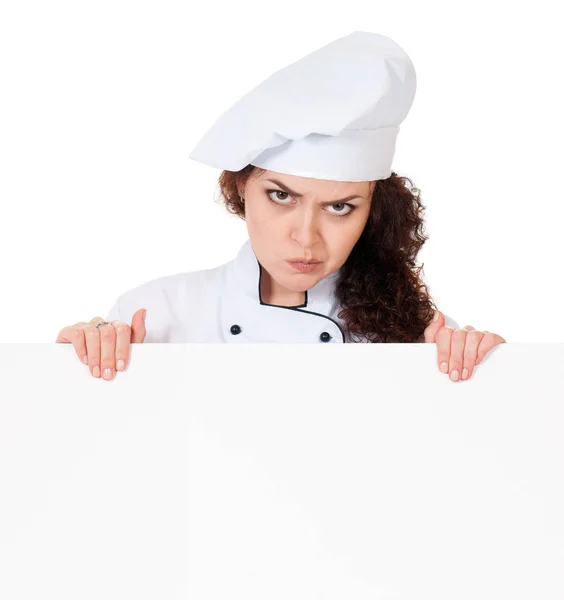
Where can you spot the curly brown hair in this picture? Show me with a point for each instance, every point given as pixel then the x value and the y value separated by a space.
pixel 380 289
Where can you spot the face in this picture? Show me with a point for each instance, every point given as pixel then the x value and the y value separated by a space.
pixel 291 217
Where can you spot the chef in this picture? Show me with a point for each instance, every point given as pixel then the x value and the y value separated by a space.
pixel 302 152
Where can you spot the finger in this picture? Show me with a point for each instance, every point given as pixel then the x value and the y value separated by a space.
pixel 123 340
pixel 457 343
pixel 65 336
pixel 487 343
pixel 107 350
pixel 80 346
pixel 430 332
pixel 138 331
pixel 443 347
pixel 473 340
pixel 74 335
pixel 96 320
pixel 92 337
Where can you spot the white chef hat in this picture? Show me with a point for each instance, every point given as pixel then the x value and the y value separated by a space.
pixel 334 114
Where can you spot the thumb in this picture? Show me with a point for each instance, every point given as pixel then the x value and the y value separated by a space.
pixel 434 327
pixel 138 331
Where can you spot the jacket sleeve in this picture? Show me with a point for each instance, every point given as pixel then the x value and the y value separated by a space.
pixel 163 323
pixel 450 322
pixel 114 313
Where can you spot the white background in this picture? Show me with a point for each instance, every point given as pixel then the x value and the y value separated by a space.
pixel 101 104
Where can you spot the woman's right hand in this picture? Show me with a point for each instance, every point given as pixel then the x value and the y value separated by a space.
pixel 105 347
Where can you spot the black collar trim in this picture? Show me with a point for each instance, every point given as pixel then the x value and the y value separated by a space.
pixel 298 307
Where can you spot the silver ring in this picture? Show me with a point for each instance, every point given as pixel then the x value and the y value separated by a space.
pixel 102 322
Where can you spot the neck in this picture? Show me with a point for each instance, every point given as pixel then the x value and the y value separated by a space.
pixel 273 293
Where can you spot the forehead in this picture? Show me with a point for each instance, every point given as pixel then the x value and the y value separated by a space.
pixel 312 185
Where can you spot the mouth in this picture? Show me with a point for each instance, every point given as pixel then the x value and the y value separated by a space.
pixel 304 262
pixel 304 266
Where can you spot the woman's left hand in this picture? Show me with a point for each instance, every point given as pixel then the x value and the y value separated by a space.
pixel 459 350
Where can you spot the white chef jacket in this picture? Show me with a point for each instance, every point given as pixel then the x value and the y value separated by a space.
pixel 224 305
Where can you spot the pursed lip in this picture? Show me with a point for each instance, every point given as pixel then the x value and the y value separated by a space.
pixel 302 261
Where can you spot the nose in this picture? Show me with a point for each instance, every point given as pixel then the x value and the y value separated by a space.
pixel 305 230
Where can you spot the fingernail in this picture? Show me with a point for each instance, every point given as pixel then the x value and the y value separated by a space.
pixel 444 367
pixel 85 360
pixel 464 373
pixel 454 375
pixel 107 373
pixel 120 364
pixel 436 317
pixel 96 371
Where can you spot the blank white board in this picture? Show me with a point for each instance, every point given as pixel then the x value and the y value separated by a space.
pixel 281 471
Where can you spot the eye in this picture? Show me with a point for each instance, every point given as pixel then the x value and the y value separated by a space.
pixel 276 192
pixel 339 212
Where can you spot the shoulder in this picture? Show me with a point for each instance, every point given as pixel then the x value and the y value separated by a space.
pixel 168 300
pixel 171 288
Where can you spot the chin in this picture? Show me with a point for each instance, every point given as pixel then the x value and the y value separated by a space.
pixel 293 285
pixel 302 282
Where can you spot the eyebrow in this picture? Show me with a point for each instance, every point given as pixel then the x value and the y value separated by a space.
pixel 298 195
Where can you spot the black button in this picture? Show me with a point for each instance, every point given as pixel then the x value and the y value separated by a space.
pixel 324 337
pixel 235 329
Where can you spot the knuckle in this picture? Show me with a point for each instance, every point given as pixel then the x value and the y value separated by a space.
pixel 492 337
pixel 78 340
pixel 108 359
pixel 469 358
pixel 445 330
pixel 443 346
pixel 122 328
pixel 108 333
pixel 90 331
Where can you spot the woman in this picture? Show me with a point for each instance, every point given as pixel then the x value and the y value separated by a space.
pixel 306 159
